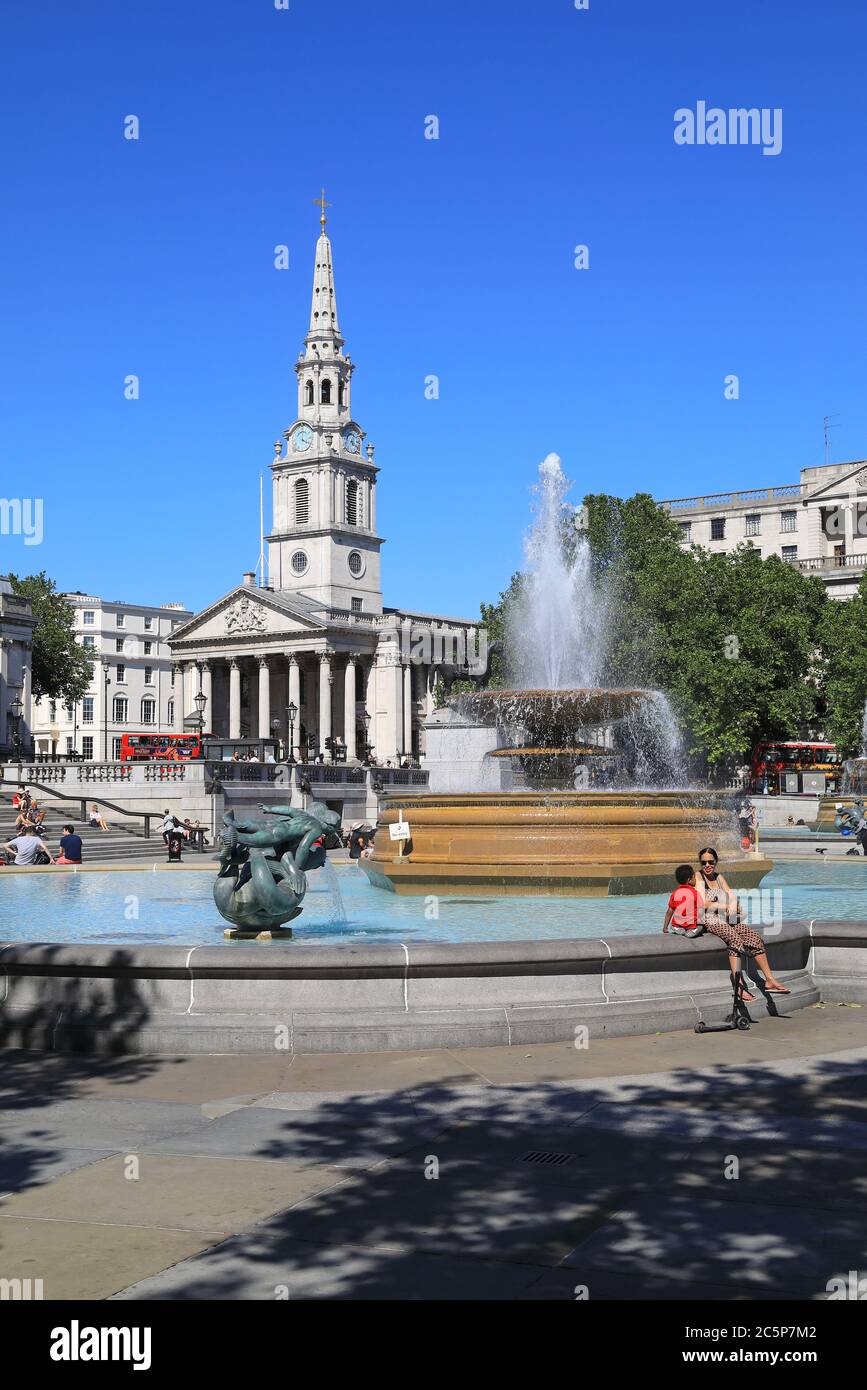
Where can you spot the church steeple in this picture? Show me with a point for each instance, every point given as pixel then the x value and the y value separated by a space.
pixel 324 542
pixel 323 335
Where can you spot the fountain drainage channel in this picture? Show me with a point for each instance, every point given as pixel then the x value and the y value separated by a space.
pixel 354 985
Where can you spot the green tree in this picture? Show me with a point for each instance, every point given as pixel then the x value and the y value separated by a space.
pixel 843 643
pixel 60 669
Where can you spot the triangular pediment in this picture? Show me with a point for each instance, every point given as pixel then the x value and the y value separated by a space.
pixel 247 612
pixel 846 484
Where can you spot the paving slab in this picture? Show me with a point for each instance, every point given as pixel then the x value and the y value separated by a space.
pixel 256 1266
pixel 788 1249
pixel 21 1166
pixel 210 1194
pixel 561 1285
pixel 86 1260
pixel 99 1123
pixel 300 1138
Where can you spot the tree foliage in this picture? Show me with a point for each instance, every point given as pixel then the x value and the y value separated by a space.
pixel 60 668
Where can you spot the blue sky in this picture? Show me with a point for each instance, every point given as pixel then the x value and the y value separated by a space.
pixel 453 257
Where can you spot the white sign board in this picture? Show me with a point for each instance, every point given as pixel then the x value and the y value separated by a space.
pixel 400 831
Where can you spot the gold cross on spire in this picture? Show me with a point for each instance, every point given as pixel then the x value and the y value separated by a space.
pixel 322 206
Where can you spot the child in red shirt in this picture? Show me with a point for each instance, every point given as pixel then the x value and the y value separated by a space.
pixel 682 913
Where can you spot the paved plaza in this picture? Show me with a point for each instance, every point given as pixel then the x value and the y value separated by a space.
pixel 729 1166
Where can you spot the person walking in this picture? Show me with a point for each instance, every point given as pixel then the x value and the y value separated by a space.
pixel 720 914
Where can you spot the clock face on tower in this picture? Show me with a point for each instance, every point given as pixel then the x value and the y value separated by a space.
pixel 302 438
pixel 352 442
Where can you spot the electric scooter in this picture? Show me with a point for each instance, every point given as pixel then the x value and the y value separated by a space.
pixel 739 1016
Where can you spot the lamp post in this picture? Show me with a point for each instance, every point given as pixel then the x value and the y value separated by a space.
pixel 105 684
pixel 17 708
pixel 275 730
pixel 200 701
pixel 291 715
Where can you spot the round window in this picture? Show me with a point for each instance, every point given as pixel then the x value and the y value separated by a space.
pixel 356 563
pixel 299 562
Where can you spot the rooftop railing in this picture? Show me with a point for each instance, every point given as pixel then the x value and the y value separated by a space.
pixel 711 500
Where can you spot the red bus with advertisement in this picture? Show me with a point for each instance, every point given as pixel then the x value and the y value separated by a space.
pixel 136 748
pixel 788 766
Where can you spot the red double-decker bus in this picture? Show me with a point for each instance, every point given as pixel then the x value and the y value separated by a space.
pixel 795 765
pixel 135 748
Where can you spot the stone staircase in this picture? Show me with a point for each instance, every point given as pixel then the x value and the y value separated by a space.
pixel 124 841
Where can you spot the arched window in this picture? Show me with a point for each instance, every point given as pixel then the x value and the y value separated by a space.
pixel 302 502
pixel 119 714
pixel 147 711
pixel 340 391
pixel 352 518
pixel 308 400
pixel 325 391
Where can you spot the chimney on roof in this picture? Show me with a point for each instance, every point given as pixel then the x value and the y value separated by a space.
pixel 249 579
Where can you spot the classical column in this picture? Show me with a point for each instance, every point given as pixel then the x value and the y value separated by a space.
pixel 264 698
pixel 208 692
pixel 326 677
pixel 295 699
pixel 349 709
pixel 407 710
pixel 234 699
pixel 178 695
pixel 26 695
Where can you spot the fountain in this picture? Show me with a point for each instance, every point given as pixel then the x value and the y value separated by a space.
pixel 558 785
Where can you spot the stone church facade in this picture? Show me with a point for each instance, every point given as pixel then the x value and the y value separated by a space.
pixel 316 635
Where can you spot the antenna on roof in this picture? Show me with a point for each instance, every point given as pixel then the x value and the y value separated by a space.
pixel 261 534
pixel 828 428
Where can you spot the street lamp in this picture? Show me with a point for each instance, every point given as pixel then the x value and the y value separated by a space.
pixel 17 708
pixel 291 715
pixel 200 701
pixel 105 684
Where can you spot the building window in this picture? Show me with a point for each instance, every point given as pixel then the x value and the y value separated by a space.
pixel 302 502
pixel 685 530
pixel 754 524
pixel 356 564
pixel 299 562
pixel 118 644
pixel 88 640
pixel 87 617
pixel 120 619
pixel 147 648
pixel 788 521
pixel 87 746
pixel 147 711
pixel 171 712
pixel 149 675
pixel 69 743
pixel 115 749
pixel 718 528
pixel 120 674
pixel 309 393
pixel 173 678
pixel 352 504
pixel 357 605
pixel 340 392
pixel 790 553
pixel 119 709
pixel 87 710
pixel 52 710
pixel 148 623
pixel 325 392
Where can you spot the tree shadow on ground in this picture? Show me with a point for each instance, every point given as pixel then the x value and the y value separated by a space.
pixel 744 1185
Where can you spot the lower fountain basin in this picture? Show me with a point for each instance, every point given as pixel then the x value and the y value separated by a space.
pixel 570 844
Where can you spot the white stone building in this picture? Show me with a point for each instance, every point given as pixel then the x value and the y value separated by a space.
pixel 818 524
pixel 135 694
pixel 16 641
pixel 316 635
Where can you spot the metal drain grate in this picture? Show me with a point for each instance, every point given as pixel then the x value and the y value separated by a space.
pixel 547 1157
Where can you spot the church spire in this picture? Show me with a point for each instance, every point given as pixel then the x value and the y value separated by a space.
pixel 324 331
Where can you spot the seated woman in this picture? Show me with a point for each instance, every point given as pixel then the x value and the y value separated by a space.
pixel 720 912
pixel 96 820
